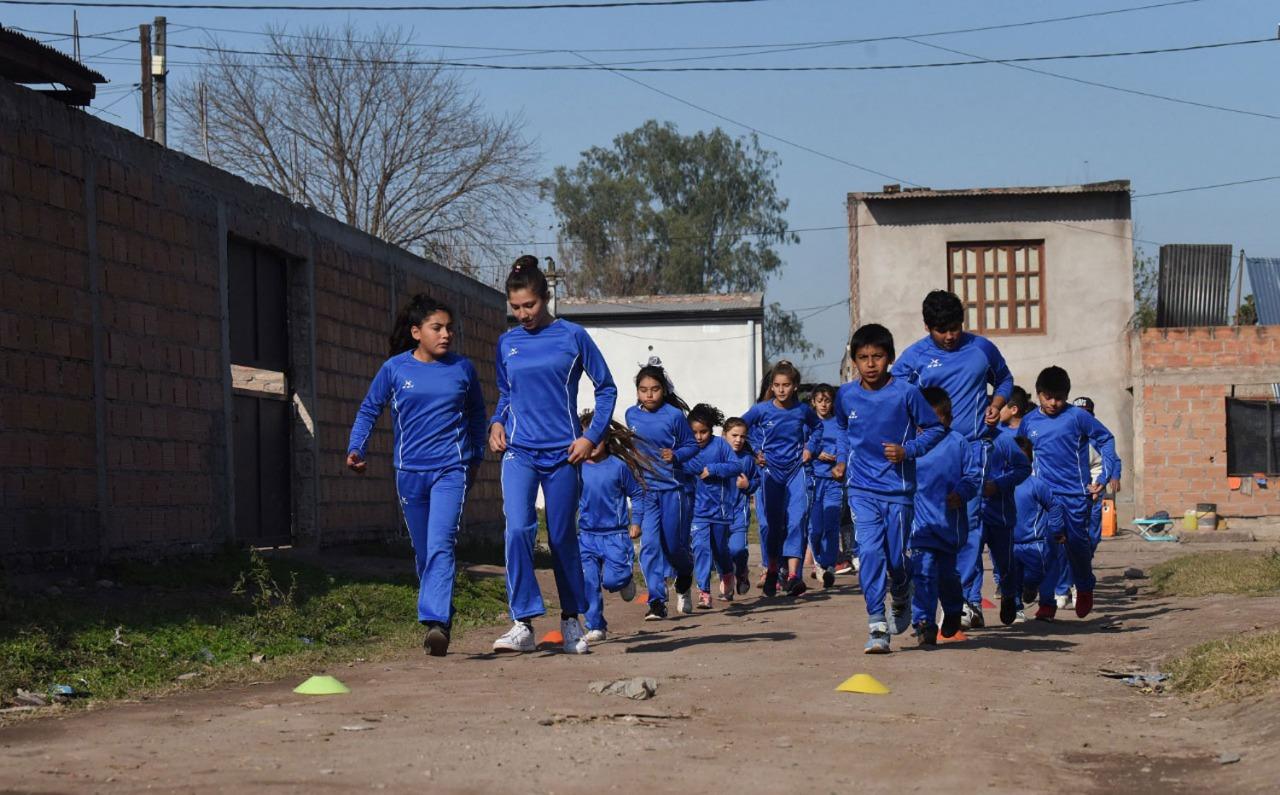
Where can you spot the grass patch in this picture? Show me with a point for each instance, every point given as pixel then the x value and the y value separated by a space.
pixel 1232 572
pixel 211 616
pixel 1233 668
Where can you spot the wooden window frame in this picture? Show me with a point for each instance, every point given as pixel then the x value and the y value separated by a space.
pixel 977 299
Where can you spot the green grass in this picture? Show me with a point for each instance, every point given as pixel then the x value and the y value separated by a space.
pixel 1233 572
pixel 211 616
pixel 1231 669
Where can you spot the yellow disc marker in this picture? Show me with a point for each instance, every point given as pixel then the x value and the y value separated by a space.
pixel 863 683
pixel 322 686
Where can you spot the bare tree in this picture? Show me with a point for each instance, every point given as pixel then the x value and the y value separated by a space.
pixel 356 126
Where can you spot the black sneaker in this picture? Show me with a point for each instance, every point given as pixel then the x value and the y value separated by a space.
pixel 795 586
pixel 1030 596
pixel 828 577
pixel 976 619
pixel 770 586
pixel 657 611
pixel 1008 610
pixel 927 634
pixel 950 625
pixel 436 642
pixel 684 582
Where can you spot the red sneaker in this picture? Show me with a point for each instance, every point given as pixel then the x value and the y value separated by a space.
pixel 704 600
pixel 726 587
pixel 1084 603
pixel 1046 612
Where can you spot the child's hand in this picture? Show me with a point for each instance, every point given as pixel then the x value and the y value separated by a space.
pixel 806 456
pixel 667 454
pixel 992 415
pixel 894 453
pixel 990 489
pixel 1113 486
pixel 580 450
pixel 497 438
pixel 633 531
pixel 955 501
pixel 1094 490
pixel 355 463
pixel 837 471
pixel 828 457
pixel 743 483
pixel 705 473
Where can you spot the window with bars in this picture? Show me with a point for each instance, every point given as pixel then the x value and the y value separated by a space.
pixel 1001 284
pixel 1253 437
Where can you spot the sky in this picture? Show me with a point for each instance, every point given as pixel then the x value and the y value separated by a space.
pixel 971 126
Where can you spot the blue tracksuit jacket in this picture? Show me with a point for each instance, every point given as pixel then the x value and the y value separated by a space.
pixel 964 373
pixel 1040 516
pixel 715 495
pixel 868 418
pixel 606 487
pixel 666 427
pixel 951 466
pixel 1061 444
pixel 1006 467
pixel 784 433
pixel 830 444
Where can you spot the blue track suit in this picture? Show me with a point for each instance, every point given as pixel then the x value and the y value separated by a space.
pixel 1006 467
pixel 607 554
pixel 785 433
pixel 1039 531
pixel 1061 445
pixel 438 418
pixel 938 532
pixel 880 492
pixel 755 439
pixel 664 534
pixel 538 373
pixel 828 500
pixel 965 373
pixel 714 499
pixel 740 511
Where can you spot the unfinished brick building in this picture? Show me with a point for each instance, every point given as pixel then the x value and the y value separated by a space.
pixel 133 281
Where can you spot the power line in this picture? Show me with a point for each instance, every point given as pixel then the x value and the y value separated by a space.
pixel 1205 187
pixel 594 4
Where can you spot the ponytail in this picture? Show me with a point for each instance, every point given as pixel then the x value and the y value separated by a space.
pixel 419 308
pixel 706 414
pixel 526 275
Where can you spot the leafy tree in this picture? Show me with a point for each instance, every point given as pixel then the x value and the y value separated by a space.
pixel 659 212
pixel 1247 314
pixel 1146 283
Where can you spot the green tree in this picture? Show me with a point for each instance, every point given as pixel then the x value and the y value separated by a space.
pixel 1146 283
pixel 659 213
pixel 1247 314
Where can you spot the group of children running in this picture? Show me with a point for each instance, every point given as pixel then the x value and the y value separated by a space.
pixel 936 452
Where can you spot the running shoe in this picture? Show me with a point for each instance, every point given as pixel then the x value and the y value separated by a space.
pixel 657 611
pixel 950 624
pixel 628 591
pixel 1084 603
pixel 1063 601
pixel 704 600
pixel 519 639
pixel 743 582
pixel 828 576
pixel 1008 610
pixel 727 586
pixel 1020 618
pixel 684 602
pixel 437 640
pixel 1046 612
pixel 770 584
pixel 878 639
pixel 795 585
pixel 900 617
pixel 596 635
pixel 845 567
pixel 575 640
pixel 926 634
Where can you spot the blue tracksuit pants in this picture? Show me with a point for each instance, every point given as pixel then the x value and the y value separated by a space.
pixel 787 505
pixel 999 541
pixel 881 529
pixel 762 521
pixel 432 505
pixel 1036 565
pixel 738 550
pixel 710 548
pixel 607 561
pixel 1079 547
pixel 523 472
pixel 1065 579
pixel 969 557
pixel 824 521
pixel 664 540
pixel 935 579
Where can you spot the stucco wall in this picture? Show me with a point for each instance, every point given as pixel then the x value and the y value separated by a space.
pixel 898 252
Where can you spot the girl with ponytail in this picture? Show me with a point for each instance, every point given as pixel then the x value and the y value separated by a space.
pixel 438 422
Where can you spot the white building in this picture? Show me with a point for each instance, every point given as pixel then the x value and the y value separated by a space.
pixel 712 346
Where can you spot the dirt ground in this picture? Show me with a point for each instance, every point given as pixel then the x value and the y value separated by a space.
pixel 746 699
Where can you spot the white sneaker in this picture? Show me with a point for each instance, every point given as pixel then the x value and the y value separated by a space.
pixel 857 564
pixel 628 591
pixel 1020 618
pixel 596 635
pixel 518 638
pixel 966 616
pixel 1063 601
pixel 575 642
pixel 684 603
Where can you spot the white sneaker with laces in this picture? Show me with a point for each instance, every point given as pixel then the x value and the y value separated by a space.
pixel 1063 601
pixel 684 603
pixel 519 638
pixel 596 635
pixel 966 616
pixel 628 591
pixel 575 642
pixel 857 564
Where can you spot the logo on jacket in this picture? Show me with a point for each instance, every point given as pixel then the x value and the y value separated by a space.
pixel 407 384
pixel 933 363
pixel 512 352
pixel 853 415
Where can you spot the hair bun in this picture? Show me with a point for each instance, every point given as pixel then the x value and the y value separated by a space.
pixel 526 263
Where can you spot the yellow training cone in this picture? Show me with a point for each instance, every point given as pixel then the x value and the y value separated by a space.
pixel 863 683
pixel 322 686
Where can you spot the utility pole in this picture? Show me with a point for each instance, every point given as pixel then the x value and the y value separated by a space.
pixel 203 92
pixel 160 70
pixel 148 118
pixel 75 34
pixel 553 281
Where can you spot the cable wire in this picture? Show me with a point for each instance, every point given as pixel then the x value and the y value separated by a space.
pixel 593 4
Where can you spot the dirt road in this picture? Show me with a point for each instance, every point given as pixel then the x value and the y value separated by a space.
pixel 745 701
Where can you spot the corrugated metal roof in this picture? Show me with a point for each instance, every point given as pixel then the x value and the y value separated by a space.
pixel 895 192
pixel 1264 281
pixel 1193 286
pixel 635 305
pixel 13 68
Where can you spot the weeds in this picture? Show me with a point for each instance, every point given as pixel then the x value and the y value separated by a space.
pixel 1232 572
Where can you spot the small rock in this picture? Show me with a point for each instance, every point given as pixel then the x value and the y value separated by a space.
pixel 1133 573
pixel 188 675
pixel 53 590
pixel 327 771
pixel 1228 758
pixel 1131 590
pixel 360 727
pixel 546 722
pixel 637 688
pixel 258 658
pixel 26 698
pixel 1158 715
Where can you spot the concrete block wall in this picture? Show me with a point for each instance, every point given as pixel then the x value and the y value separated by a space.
pixel 115 389
pixel 1181 380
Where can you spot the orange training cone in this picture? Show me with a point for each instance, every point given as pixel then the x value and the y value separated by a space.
pixel 987 604
pixel 552 638
pixel 642 597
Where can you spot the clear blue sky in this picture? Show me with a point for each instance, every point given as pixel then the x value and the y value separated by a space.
pixel 971 126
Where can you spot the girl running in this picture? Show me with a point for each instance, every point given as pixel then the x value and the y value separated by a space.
pixel 437 418
pixel 717 470
pixel 611 476
pixel 663 435
pixel 748 483
pixel 828 491
pixel 791 435
pixel 535 427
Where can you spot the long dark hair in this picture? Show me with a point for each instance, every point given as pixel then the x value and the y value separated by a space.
pixel 620 442
pixel 766 386
pixel 706 414
pixel 669 396
pixel 419 308
pixel 526 275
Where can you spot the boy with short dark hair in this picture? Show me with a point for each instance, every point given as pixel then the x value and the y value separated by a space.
pixel 1060 434
pixel 885 424
pixel 946 479
pixel 1038 533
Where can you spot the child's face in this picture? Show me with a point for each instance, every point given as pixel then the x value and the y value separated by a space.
pixel 783 388
pixel 1051 405
pixel 701 433
pixel 947 337
pixel 943 410
pixel 822 404
pixel 650 394
pixel 434 334
pixel 528 308
pixel 736 437
pixel 873 363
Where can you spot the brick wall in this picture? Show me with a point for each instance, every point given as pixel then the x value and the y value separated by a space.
pixel 1182 378
pixel 114 370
